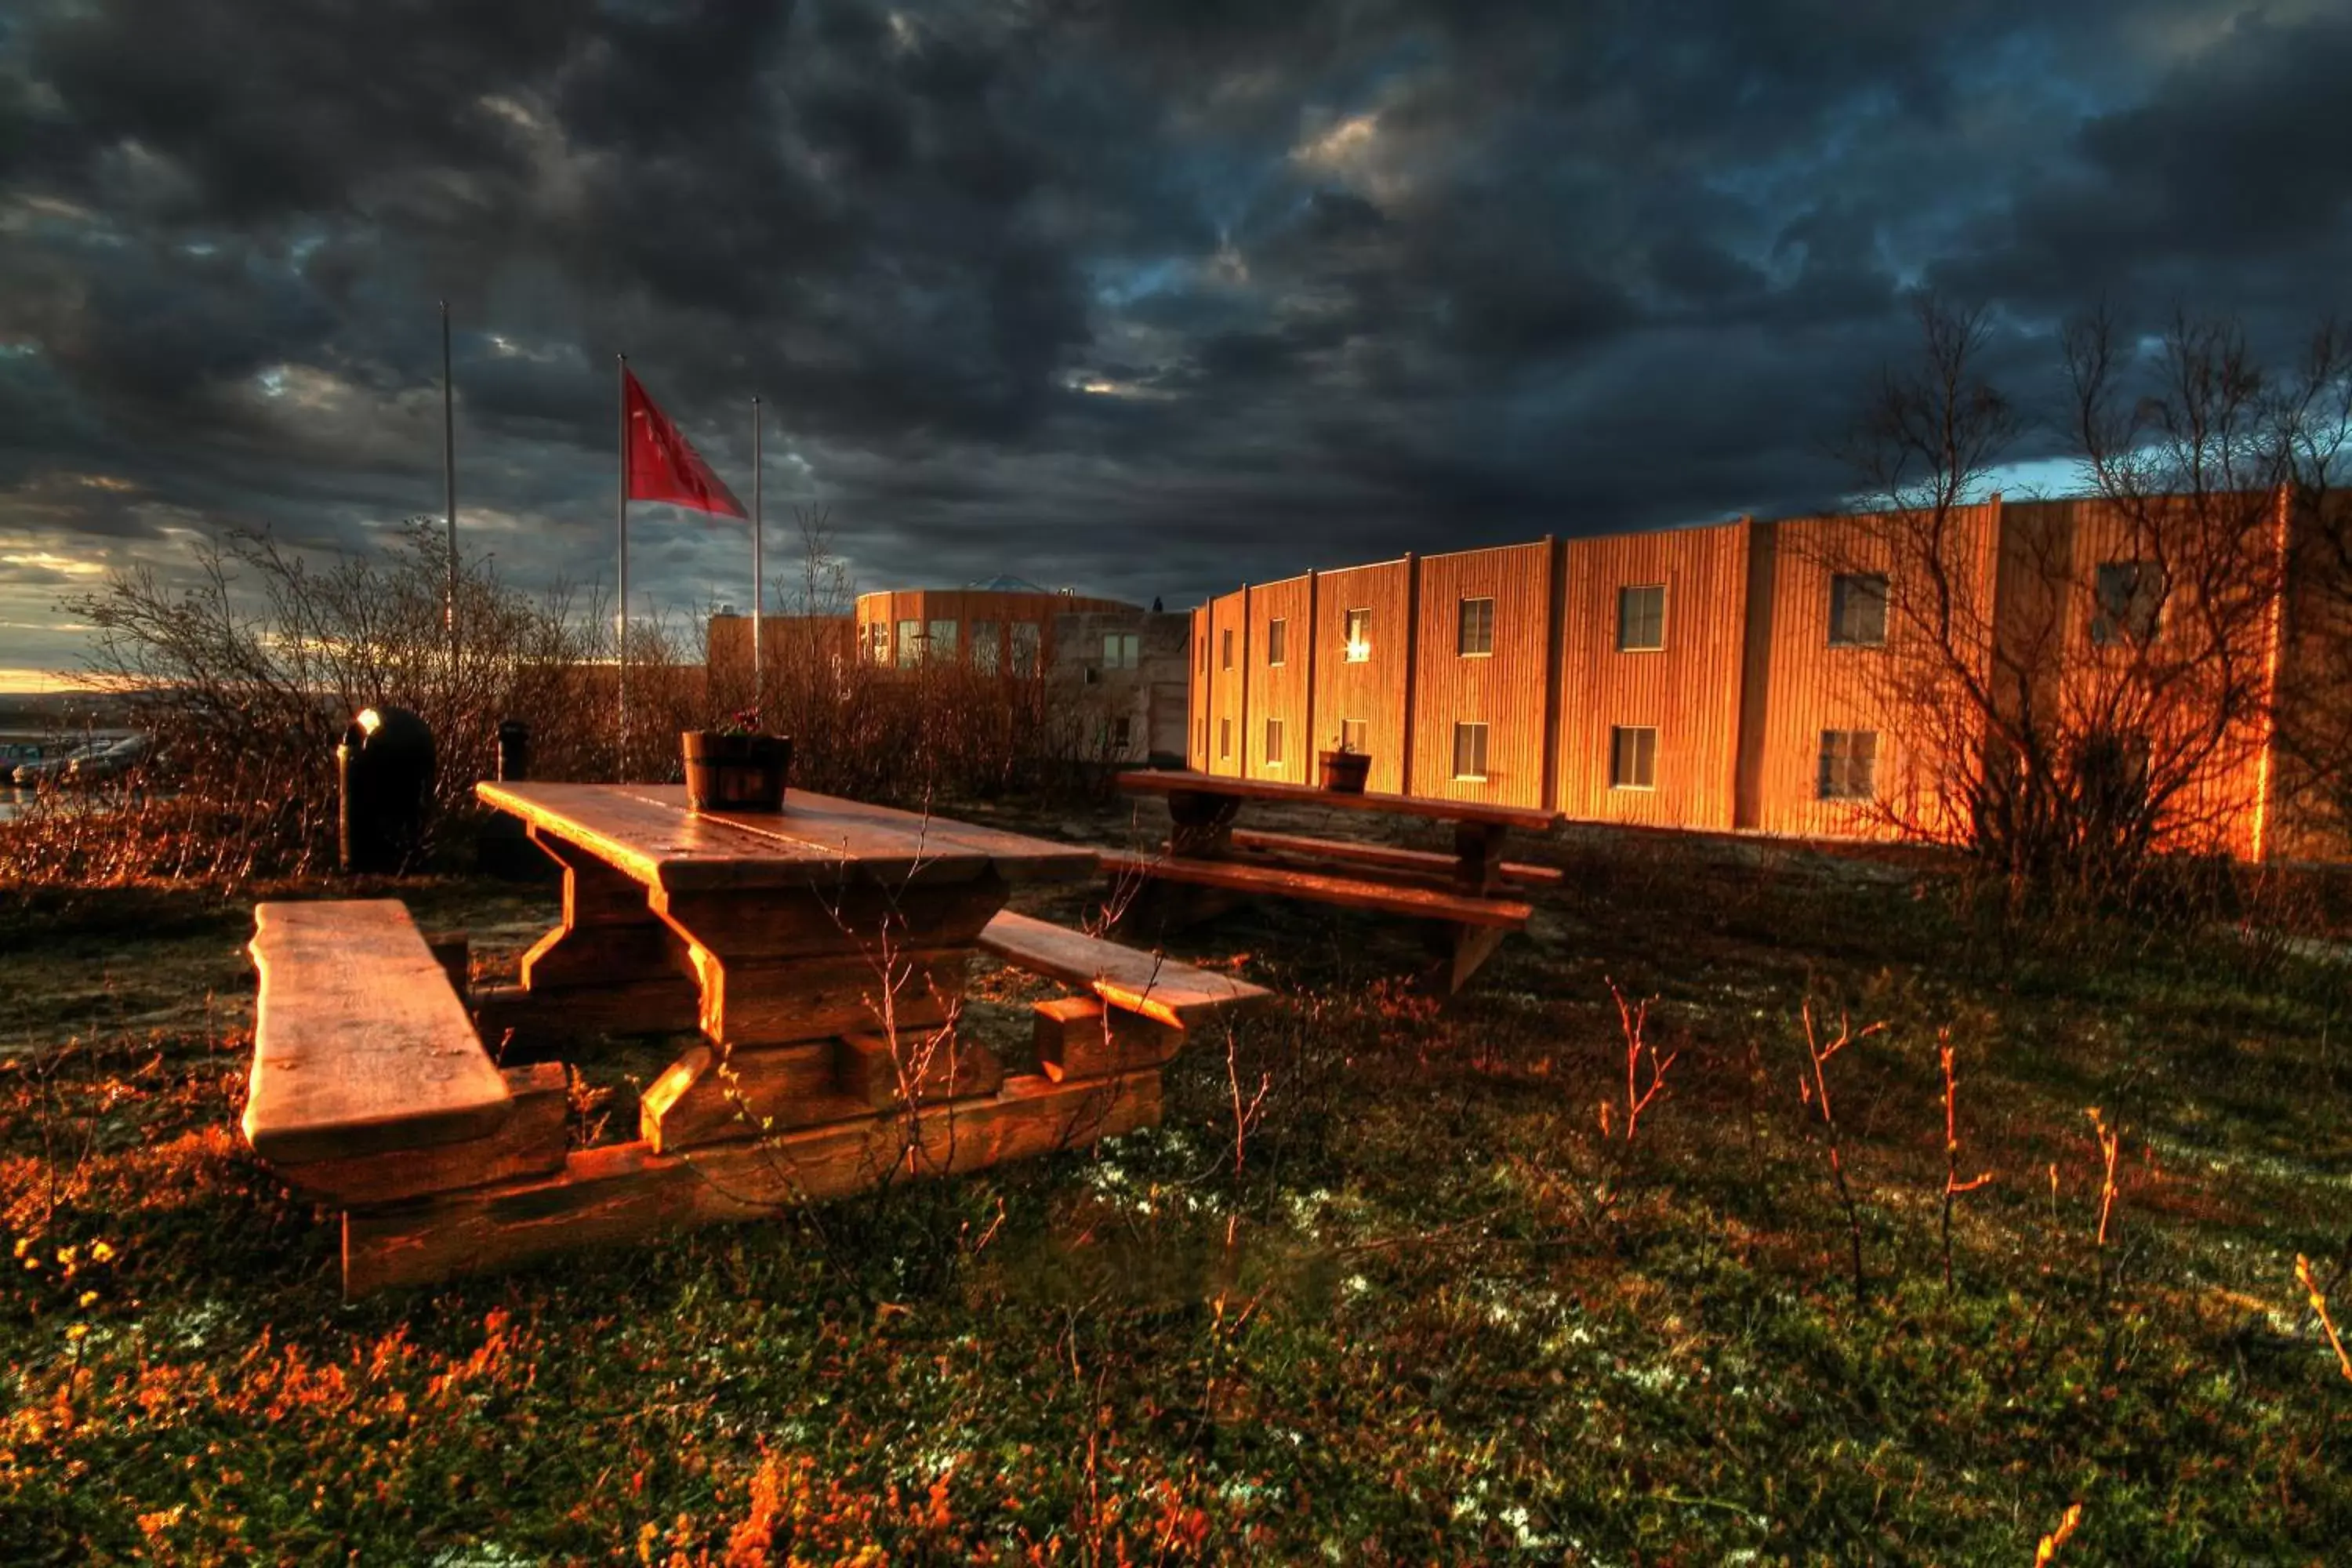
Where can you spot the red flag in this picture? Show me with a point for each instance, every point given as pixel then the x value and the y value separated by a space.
pixel 663 466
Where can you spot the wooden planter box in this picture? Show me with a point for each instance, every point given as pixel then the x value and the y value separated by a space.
pixel 735 773
pixel 1344 772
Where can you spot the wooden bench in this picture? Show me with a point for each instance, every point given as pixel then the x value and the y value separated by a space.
pixel 369 1084
pixel 1388 856
pixel 1139 1007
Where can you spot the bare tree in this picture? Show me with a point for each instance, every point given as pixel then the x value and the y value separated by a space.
pixel 2092 683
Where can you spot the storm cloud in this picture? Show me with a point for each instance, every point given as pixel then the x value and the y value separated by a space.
pixel 1148 298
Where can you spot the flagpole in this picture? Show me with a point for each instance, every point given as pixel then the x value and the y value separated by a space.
pixel 449 481
pixel 621 619
pixel 759 590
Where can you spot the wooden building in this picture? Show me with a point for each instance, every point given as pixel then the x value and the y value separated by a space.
pixel 1801 677
pixel 1362 654
pixel 1652 649
pixel 1482 684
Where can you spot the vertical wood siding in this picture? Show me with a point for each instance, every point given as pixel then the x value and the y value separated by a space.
pixel 1373 691
pixel 1689 691
pixel 1505 691
pixel 1812 686
pixel 1280 692
pixel 1227 687
pixel 1197 739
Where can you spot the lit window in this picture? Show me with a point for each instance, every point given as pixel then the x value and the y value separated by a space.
pixel 943 642
pixel 1858 610
pixel 1470 751
pixel 1358 627
pixel 1641 618
pixel 911 643
pixel 1278 641
pixel 1849 765
pixel 2131 602
pixel 1274 742
pixel 1351 735
pixel 1476 633
pixel 987 646
pixel 1025 641
pixel 1633 756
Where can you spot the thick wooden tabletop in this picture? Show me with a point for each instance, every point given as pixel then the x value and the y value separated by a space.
pixel 1155 780
pixel 648 832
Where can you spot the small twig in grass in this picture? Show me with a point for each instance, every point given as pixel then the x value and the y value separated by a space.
pixel 1817 1094
pixel 1634 1020
pixel 1953 1186
pixel 2047 1552
pixel 2308 1279
pixel 2110 1145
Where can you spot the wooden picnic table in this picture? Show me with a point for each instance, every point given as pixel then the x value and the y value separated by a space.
pixel 1461 893
pixel 820 952
pixel 760 929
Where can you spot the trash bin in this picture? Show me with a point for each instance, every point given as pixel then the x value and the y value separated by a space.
pixel 514 752
pixel 385 769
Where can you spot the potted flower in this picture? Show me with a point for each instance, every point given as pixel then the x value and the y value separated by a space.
pixel 1345 768
pixel 736 766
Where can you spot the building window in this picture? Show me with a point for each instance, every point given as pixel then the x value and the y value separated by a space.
pixel 1025 641
pixel 1634 756
pixel 1358 635
pixel 2130 602
pixel 1122 650
pixel 1122 733
pixel 1641 618
pixel 1849 765
pixel 1278 641
pixel 911 643
pixel 1274 742
pixel 1200 738
pixel 1470 751
pixel 1226 652
pixel 1351 735
pixel 1224 739
pixel 1476 634
pixel 987 646
pixel 943 642
pixel 878 642
pixel 1858 610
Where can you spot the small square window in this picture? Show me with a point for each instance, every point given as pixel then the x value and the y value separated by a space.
pixel 1274 742
pixel 1858 610
pixel 1849 765
pixel 1634 756
pixel 1278 641
pixel 1351 735
pixel 1476 635
pixel 1641 618
pixel 2130 602
pixel 1358 635
pixel 1470 751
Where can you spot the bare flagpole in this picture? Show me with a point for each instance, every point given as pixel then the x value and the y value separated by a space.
pixel 449 482
pixel 759 590
pixel 621 616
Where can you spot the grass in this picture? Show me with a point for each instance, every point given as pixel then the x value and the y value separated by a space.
pixel 1432 1313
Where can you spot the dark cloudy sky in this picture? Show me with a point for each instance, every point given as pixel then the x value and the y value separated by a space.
pixel 1145 299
